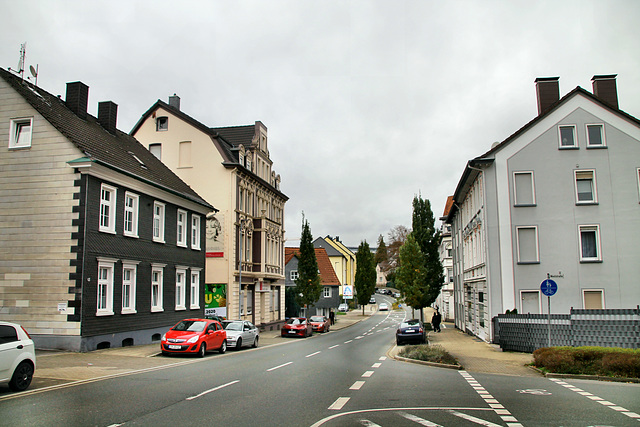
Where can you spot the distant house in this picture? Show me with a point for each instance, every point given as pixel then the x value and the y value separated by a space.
pixel 445 300
pixel 102 245
pixel 559 197
pixel 231 168
pixel 343 259
pixel 330 297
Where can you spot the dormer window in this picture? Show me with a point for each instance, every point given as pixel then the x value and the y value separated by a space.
pixel 241 158
pixel 162 123
pixel 249 165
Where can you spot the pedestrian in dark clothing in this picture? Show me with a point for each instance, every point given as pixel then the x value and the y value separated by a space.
pixel 435 321
pixel 332 317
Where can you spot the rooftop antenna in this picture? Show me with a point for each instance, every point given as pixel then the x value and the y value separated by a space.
pixel 20 70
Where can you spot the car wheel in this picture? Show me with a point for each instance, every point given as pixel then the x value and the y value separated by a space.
pixel 22 377
pixel 239 344
pixel 223 347
pixel 255 343
pixel 203 350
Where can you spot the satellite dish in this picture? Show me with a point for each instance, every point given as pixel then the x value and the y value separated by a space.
pixel 34 73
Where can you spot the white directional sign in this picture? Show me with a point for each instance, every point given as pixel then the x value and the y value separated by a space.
pixel 347 292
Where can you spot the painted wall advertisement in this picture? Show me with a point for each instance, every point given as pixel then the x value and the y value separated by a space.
pixel 215 298
pixel 215 238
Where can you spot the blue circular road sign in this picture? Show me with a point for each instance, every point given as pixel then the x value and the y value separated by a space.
pixel 549 287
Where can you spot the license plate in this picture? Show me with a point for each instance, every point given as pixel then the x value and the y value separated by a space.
pixel 292 332
pixel 175 347
pixel 409 330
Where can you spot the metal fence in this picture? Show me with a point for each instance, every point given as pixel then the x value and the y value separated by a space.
pixel 603 328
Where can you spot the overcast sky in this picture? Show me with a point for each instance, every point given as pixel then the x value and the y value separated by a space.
pixel 367 103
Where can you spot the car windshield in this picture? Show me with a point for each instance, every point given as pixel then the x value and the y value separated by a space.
pixel 232 326
pixel 296 321
pixel 316 319
pixel 190 325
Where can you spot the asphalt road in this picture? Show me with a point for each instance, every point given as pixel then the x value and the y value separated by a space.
pixel 340 378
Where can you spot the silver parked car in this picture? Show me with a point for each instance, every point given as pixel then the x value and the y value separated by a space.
pixel 17 356
pixel 241 333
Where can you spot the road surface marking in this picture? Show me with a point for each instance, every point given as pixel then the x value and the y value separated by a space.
pixel 347 342
pixel 279 366
pixel 380 410
pixel 419 420
pixel 595 398
pixel 474 419
pixel 357 385
pixel 367 374
pixel 360 337
pixel 334 346
pixel 213 389
pixel 312 354
pixel 383 358
pixel 376 365
pixel 489 400
pixel 339 403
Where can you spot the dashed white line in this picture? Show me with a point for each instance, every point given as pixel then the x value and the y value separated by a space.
pixel 279 366
pixel 213 389
pixel 418 420
pixel 334 346
pixel 312 354
pixel 367 374
pixel 339 403
pixel 357 385
pixel 347 342
pixel 376 365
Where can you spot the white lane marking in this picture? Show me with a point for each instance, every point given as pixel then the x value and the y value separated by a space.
pixel 357 385
pixel 334 346
pixel 473 419
pixel 376 365
pixel 213 389
pixel 312 354
pixel 360 337
pixel 367 374
pixel 339 403
pixel 383 358
pixel 419 408
pixel 347 342
pixel 279 366
pixel 489 400
pixel 368 423
pixel 419 420
pixel 595 398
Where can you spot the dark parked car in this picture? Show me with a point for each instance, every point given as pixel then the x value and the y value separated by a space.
pixel 194 336
pixel 320 323
pixel 296 326
pixel 411 331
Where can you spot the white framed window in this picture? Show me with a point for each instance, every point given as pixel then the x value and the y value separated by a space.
pixel 326 292
pixel 158 222
pixel 195 232
pixel 107 209
pixel 157 280
pixel 20 136
pixel 181 288
pixel 524 189
pixel 593 299
pixel 589 243
pixel 129 281
pixel 194 294
pixel 567 136
pixel 181 228
pixel 528 252
pixel 156 150
pixel 104 306
pixel 586 189
pixel 162 123
pixel 131 202
pixel 595 136
pixel 294 275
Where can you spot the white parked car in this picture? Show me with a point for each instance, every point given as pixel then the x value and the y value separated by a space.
pixel 343 308
pixel 383 306
pixel 17 356
pixel 241 333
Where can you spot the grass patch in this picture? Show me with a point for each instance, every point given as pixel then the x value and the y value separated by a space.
pixel 602 361
pixel 428 353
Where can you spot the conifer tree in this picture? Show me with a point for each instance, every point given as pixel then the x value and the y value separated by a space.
pixel 382 257
pixel 365 281
pixel 411 274
pixel 308 286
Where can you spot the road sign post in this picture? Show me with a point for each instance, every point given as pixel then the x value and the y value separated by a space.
pixel 549 288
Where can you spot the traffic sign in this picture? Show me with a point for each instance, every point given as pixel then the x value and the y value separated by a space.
pixel 347 292
pixel 549 287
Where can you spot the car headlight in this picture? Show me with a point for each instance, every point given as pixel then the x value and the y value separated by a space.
pixel 193 339
pixel 164 337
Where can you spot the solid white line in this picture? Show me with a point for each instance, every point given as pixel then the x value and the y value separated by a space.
pixel 312 354
pixel 357 385
pixel 213 389
pixel 279 366
pixel 339 403
pixel 367 374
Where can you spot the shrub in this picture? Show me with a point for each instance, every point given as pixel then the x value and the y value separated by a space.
pixel 602 361
pixel 428 353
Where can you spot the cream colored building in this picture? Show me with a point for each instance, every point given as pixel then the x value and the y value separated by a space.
pixel 232 167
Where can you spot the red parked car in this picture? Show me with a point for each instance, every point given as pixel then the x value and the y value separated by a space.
pixel 194 336
pixel 320 323
pixel 296 326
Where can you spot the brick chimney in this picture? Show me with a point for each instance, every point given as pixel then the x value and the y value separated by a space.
pixel 77 98
pixel 547 92
pixel 108 115
pixel 604 87
pixel 174 101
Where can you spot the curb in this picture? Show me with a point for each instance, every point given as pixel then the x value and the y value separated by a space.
pixel 390 353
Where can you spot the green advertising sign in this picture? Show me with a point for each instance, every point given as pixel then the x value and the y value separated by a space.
pixel 215 298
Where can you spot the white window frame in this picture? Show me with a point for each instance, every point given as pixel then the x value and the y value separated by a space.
pixel 181 288
pixel 158 222
pixel 326 292
pixel 159 283
pixel 156 149
pixel 181 228
pixel 293 275
pixel 194 299
pixel 595 228
pixel 515 189
pixel 195 232
pixel 104 291
pixel 602 299
pixel 602 136
pixel 107 209
pixel 594 186
pixel 535 229
pixel 18 138
pixel 132 267
pixel 575 137
pixel 131 214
